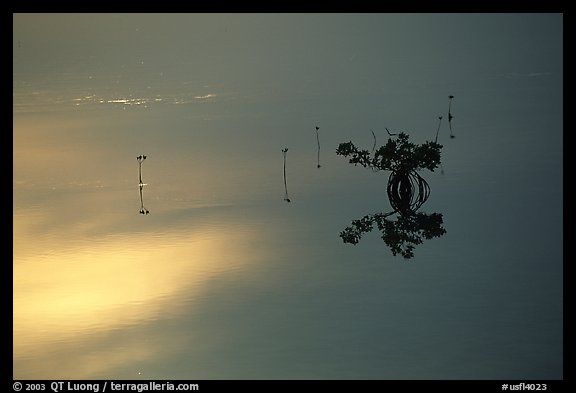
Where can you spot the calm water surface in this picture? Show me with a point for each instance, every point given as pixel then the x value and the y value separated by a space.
pixel 225 280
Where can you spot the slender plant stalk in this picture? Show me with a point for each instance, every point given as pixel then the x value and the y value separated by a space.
pixel 284 151
pixel 438 130
pixel 450 115
pixel 318 142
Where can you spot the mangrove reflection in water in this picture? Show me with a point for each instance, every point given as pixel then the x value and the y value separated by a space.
pixel 407 191
pixel 450 117
pixel 284 151
pixel 143 210
pixel 318 143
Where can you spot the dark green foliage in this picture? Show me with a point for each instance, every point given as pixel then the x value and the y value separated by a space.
pixel 397 155
pixel 401 235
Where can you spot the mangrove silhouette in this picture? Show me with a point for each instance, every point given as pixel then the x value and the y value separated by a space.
pixel 407 191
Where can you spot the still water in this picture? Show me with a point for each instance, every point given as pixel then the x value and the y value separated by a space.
pixel 224 279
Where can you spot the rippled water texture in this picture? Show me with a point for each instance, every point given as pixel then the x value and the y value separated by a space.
pixel 207 272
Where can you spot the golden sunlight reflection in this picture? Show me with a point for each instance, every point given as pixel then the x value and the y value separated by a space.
pixel 205 97
pixel 72 295
pixel 44 95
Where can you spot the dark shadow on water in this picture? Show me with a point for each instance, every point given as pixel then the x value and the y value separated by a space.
pixel 404 227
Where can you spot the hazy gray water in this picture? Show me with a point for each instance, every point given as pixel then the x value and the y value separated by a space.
pixel 225 280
